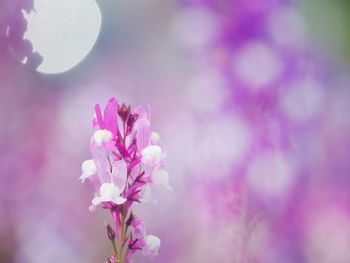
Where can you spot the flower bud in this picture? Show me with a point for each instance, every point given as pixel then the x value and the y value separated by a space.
pixel 111 259
pixel 110 232
pixel 124 111
pixel 130 219
pixel 131 120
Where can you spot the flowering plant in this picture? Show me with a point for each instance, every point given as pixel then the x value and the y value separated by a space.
pixel 126 158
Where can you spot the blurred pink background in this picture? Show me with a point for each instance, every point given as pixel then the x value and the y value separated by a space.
pixel 250 103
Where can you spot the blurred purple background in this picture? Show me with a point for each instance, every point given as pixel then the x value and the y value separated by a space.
pixel 250 98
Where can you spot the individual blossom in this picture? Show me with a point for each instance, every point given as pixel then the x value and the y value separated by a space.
pixel 149 244
pixel 152 244
pixel 127 158
pixel 88 168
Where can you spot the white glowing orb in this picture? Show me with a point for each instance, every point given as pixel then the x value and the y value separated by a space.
pixel 195 27
pixel 303 100
pixel 206 91
pixel 287 17
pixel 257 65
pixel 63 32
pixel 222 144
pixel 328 237
pixel 271 174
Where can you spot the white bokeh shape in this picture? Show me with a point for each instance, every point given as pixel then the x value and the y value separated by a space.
pixel 63 32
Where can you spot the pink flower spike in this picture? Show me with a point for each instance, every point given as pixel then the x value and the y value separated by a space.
pixel 127 158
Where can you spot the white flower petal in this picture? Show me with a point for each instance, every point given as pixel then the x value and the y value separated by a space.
pixel 152 155
pixel 88 168
pixel 106 190
pixel 146 194
pixel 96 201
pixel 109 193
pixel 155 138
pixel 118 200
pixel 101 136
pixel 143 133
pixel 119 174
pixel 152 245
pixel 92 208
pixel 161 177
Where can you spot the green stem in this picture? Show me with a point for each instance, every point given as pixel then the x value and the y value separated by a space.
pixel 115 249
pixel 122 235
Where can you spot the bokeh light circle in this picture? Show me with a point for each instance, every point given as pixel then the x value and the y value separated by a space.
pixel 63 32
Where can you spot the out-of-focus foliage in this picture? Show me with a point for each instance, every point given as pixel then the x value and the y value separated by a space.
pixel 329 21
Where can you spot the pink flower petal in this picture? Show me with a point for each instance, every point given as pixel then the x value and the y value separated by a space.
pixel 119 174
pixel 110 116
pixel 99 117
pixel 143 133
pixel 102 164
